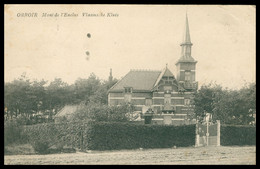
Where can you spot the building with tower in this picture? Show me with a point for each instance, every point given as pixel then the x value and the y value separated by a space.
pixel 168 97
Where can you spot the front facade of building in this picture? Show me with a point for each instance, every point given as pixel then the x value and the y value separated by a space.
pixel 169 97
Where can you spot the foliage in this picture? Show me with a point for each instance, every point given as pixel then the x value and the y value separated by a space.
pixel 23 97
pixel 111 136
pixel 204 99
pixel 55 135
pixel 237 135
pixel 11 132
pixel 40 146
pixel 41 136
pixel 229 106
pixel 26 97
pixel 101 112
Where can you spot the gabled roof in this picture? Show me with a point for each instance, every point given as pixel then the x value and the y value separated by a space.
pixel 141 80
pixel 165 72
pixel 137 79
pixel 67 110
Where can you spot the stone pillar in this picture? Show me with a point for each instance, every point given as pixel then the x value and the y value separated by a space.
pixel 218 132
pixel 197 136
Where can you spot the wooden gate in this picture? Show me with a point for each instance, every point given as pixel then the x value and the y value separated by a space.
pixel 208 134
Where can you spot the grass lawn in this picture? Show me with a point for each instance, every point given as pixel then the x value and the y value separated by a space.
pixel 27 149
pixel 183 156
pixel 20 149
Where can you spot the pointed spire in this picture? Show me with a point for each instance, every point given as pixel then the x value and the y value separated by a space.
pixel 186 37
pixel 186 45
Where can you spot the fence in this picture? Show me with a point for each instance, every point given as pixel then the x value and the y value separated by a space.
pixel 208 134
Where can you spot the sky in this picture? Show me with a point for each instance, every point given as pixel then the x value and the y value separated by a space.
pixel 136 37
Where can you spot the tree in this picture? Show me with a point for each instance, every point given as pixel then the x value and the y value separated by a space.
pixel 229 106
pixel 18 96
pixel 38 95
pixel 84 88
pixel 57 95
pixel 203 99
pixel 101 112
pixel 100 95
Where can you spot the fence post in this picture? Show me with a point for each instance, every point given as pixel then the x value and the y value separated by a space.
pixel 197 136
pixel 218 132
pixel 207 134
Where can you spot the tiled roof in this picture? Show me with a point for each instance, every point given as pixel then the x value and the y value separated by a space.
pixel 67 110
pixel 167 72
pixel 138 80
pixel 186 59
pixel 164 72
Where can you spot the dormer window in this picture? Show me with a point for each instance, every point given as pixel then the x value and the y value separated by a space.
pixel 128 94
pixel 128 89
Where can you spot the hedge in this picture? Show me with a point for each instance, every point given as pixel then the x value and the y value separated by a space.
pixel 55 134
pixel 13 133
pixel 112 136
pixel 237 135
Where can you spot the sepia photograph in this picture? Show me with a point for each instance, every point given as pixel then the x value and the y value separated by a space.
pixel 92 84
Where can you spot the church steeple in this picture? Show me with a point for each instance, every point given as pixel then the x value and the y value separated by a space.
pixel 186 35
pixel 186 43
pixel 186 65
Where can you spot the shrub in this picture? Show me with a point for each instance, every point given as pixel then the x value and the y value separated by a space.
pixel 41 136
pixel 104 113
pixel 237 135
pixel 57 135
pixel 41 146
pixel 110 136
pixel 12 132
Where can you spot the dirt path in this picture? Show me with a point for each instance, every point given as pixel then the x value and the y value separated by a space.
pixel 202 155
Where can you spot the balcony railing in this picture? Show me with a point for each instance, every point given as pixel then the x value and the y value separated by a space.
pixel 190 85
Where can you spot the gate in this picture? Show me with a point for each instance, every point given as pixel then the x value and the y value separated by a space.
pixel 208 134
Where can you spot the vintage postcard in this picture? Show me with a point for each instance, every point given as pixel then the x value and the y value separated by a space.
pixel 155 64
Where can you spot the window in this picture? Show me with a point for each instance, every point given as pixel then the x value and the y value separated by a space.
pixel 187 76
pixel 128 89
pixel 186 101
pixel 128 97
pixel 148 102
pixel 167 99
pixel 128 94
